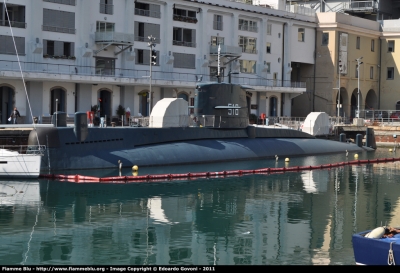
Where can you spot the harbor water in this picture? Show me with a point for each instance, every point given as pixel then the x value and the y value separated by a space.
pixel 291 218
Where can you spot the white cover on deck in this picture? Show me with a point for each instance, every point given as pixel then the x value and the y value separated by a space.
pixel 316 123
pixel 170 112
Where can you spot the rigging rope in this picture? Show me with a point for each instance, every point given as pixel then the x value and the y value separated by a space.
pixel 22 75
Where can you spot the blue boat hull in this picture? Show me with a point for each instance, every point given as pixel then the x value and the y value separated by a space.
pixel 368 251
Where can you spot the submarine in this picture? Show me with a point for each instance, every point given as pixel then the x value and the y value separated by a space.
pixel 218 130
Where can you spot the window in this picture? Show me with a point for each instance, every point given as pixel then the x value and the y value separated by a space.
pixel 184 37
pixel 301 34
pixel 372 45
pixel 50 48
pixel 58 21
pixel 269 29
pixel 143 56
pixel 217 40
pixel 268 48
pixel 105 66
pixel 247 66
pixel 390 73
pixel 58 49
pixel 16 14
pixel 268 65
pixel 149 10
pixel 248 25
pixel 104 27
pixel 371 72
pixel 325 39
pixel 248 44
pixel 188 16
pixel 106 7
pixel 143 30
pixel 7 45
pixel 217 24
pixel 358 41
pixel 183 60
pixel 390 46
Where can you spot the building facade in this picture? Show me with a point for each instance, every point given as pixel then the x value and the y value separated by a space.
pixel 75 54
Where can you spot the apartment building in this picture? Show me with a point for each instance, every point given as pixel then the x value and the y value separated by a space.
pixel 376 10
pixel 75 54
pixel 348 56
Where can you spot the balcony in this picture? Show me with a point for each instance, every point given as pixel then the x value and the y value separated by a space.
pixel 226 51
pixel 116 38
pixel 361 7
pixel 183 43
pixel 145 39
pixel 58 29
pixel 64 2
pixel 147 13
pixel 248 28
pixel 185 19
pixel 5 23
pixel 106 9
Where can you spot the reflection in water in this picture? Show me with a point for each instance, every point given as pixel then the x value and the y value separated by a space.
pixel 293 218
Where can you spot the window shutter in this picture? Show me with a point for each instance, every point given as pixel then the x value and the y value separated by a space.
pixel 9 45
pixel 20 43
pixel 58 48
pixel 72 49
pixel 136 29
pixel 154 10
pixel 194 37
pixel 146 57
pixel 2 44
pixel 44 47
pixel 182 60
pixel 152 29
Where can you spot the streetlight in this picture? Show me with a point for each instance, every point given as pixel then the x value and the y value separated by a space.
pixel 359 62
pixel 338 101
pixel 153 61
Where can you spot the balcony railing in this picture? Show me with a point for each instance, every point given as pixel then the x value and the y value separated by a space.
pixel 148 13
pixel 248 28
pixel 70 70
pixel 113 37
pixel 58 29
pixel 145 39
pixel 182 43
pixel 217 25
pixel 361 6
pixel 185 19
pixel 249 50
pixel 106 9
pixel 226 50
pixel 65 2
pixel 13 24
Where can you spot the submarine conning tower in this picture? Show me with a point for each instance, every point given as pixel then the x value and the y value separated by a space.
pixel 227 102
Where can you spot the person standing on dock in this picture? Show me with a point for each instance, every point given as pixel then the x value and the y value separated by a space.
pixel 14 115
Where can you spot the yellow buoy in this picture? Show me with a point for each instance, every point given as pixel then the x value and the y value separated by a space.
pixel 390 150
pixel 134 173
pixel 135 168
pixel 287 159
pixel 356 156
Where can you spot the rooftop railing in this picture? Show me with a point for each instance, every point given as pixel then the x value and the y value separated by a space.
pixel 64 69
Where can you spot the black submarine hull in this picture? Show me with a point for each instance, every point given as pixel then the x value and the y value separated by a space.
pixel 104 147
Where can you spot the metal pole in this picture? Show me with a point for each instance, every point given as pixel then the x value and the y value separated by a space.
pixel 338 103
pixel 151 66
pixel 358 85
pixel 56 111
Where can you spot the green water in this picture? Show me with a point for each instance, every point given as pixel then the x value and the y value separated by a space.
pixel 299 218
